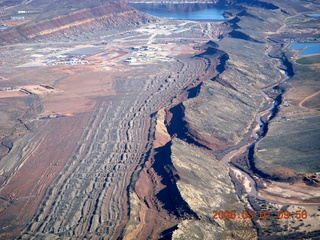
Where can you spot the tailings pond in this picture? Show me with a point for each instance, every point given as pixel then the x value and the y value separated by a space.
pixel 307 48
pixel 314 15
pixel 182 11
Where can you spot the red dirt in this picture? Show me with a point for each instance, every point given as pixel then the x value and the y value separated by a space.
pixel 6 94
pixel 28 184
pixel 153 219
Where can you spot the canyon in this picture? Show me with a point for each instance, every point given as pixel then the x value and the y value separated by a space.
pixel 119 125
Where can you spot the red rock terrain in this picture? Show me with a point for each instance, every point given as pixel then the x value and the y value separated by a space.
pixel 135 151
pixel 106 16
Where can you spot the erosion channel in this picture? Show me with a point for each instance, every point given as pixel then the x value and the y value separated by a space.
pixel 121 125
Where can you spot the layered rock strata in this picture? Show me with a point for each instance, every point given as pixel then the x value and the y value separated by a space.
pixel 103 17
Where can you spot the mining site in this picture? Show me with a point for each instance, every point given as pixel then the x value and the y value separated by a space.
pixel 158 120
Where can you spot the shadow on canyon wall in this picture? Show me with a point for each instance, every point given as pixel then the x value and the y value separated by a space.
pixel 170 196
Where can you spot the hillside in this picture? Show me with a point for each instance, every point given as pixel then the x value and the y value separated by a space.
pixel 75 23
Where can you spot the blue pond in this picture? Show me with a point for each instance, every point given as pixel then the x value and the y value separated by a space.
pixel 308 48
pixel 314 15
pixel 182 11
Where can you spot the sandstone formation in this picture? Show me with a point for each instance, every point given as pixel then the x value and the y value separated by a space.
pixel 107 16
pixel 119 125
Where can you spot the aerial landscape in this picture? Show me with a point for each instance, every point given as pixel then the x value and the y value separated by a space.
pixel 149 119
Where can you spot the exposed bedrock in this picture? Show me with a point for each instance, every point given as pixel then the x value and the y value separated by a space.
pixel 258 4
pixel 190 4
pixel 176 193
pixel 241 35
pixel 206 186
pixel 170 195
pixel 108 16
pixel 247 14
pixel 180 128
pixel 191 120
pixel 217 115
pixel 233 23
pixel 216 58
pixel 207 123
pixel 171 7
pixel 176 119
pixel 226 108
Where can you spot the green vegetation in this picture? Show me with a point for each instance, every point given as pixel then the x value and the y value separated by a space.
pixel 293 144
pixel 309 60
